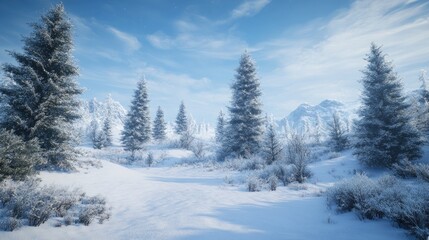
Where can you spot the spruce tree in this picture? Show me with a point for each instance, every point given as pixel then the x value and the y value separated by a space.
pixel 107 132
pixel 384 134
pixel 244 131
pixel 41 91
pixel 220 127
pixel 159 126
pixel 137 125
pixel 272 148
pixel 337 134
pixel 181 120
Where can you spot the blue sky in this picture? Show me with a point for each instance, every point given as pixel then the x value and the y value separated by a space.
pixel 305 51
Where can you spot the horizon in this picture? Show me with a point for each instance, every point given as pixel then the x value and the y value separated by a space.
pixel 189 50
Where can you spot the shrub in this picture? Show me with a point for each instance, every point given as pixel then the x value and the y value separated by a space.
pixel 281 171
pixel 298 155
pixel 253 184
pixel 9 224
pixel 406 205
pixel 272 181
pixel 28 202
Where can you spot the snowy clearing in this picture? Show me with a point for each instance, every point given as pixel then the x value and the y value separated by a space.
pixel 177 202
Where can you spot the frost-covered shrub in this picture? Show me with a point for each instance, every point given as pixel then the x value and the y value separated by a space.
pixel 244 164
pixel 28 202
pixel 354 193
pixel 198 150
pixel 283 173
pixel 406 205
pixel 253 184
pixel 272 182
pixel 93 208
pixel 298 155
pixel 10 223
pixel 404 169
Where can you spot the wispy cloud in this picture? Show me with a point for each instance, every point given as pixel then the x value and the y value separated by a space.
pixel 249 8
pixel 129 40
pixel 327 66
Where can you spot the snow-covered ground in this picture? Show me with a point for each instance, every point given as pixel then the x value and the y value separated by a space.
pixel 189 202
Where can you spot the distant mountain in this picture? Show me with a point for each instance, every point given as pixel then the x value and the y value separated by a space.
pixel 98 111
pixel 313 121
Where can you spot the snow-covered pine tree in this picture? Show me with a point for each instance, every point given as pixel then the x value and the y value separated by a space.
pixel 420 108
pixel 272 148
pixel 337 134
pixel 220 127
pixel 107 131
pixel 137 125
pixel 159 126
pixel 181 120
pixel 41 94
pixel 384 134
pixel 245 126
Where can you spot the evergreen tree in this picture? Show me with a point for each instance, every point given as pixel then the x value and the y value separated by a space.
pixel 107 132
pixel 420 107
pixel 41 95
pixel 337 134
pixel 244 131
pixel 272 149
pixel 137 125
pixel 17 158
pixel 384 134
pixel 181 120
pixel 220 127
pixel 159 126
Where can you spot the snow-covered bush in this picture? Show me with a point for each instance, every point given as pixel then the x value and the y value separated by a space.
pixel 254 184
pixel 354 193
pixel 29 203
pixel 272 182
pixel 387 197
pixel 282 172
pixel 298 155
pixel 198 149
pixel 254 162
pixel 404 169
pixel 92 208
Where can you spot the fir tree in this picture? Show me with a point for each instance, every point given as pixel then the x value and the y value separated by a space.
pixel 107 132
pixel 244 131
pixel 137 125
pixel 384 134
pixel 220 127
pixel 181 120
pixel 41 98
pixel 337 134
pixel 272 149
pixel 159 126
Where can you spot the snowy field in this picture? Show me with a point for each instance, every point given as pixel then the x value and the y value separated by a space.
pixel 188 202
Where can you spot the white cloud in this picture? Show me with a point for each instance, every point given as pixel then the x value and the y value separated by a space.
pixel 160 40
pixel 327 66
pixel 249 8
pixel 130 41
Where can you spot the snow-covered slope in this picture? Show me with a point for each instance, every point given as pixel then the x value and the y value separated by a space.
pixel 313 120
pixel 165 202
pixel 94 110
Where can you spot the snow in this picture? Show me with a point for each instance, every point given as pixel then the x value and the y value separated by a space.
pixel 189 202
